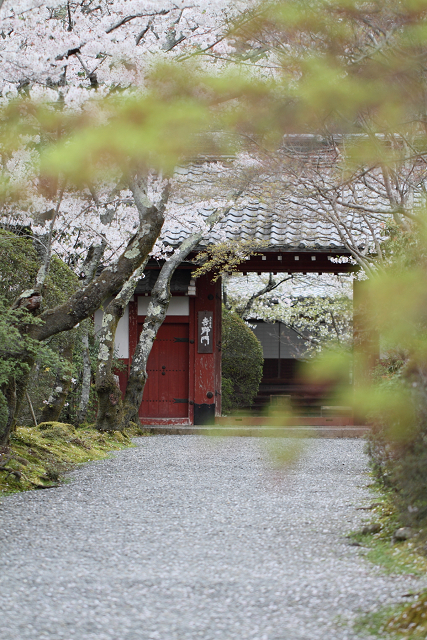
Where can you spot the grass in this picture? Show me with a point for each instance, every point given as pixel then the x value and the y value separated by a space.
pixel 397 558
pixel 38 457
pixel 407 620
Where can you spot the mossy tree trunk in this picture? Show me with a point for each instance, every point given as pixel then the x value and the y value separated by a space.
pixel 90 266
pixel 32 301
pixel 86 378
pixel 7 409
pixel 157 309
pixel 20 385
pixel 55 403
pixel 110 406
pixel 84 302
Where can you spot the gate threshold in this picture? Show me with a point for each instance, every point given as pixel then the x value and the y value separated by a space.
pixel 261 431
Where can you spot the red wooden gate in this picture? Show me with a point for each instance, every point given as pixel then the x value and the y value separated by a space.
pixel 167 386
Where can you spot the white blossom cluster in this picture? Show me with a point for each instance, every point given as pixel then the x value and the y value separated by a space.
pixel 67 53
pixel 81 221
pixel 243 286
pixel 63 49
pixel 318 307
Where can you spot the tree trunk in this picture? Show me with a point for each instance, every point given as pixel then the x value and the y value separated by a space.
pixel 52 410
pixel 90 266
pixel 157 309
pixel 85 302
pixel 86 379
pixel 7 410
pixel 19 386
pixel 110 406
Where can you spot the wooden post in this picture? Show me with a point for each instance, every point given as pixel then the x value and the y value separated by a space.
pixel 207 383
pixel 218 347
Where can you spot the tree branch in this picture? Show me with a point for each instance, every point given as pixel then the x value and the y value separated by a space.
pixel 126 19
pixel 270 286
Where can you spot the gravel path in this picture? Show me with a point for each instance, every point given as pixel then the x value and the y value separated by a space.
pixel 183 538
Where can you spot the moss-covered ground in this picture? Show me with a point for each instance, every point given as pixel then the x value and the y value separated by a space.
pixel 405 620
pixel 38 457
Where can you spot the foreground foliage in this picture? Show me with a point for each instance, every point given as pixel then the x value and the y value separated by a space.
pixel 398 408
pixel 39 456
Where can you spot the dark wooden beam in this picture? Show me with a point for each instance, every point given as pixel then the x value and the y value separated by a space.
pixel 304 261
pixel 295 262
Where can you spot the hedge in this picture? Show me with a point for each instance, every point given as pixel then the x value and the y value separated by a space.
pixel 242 363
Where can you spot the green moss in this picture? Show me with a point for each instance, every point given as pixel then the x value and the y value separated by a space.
pixel 398 559
pixel 38 457
pixel 410 621
pixel 374 622
pixel 398 622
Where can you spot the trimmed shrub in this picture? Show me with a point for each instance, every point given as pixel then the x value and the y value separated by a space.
pixel 242 363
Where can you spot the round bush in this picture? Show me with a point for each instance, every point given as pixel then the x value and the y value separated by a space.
pixel 242 363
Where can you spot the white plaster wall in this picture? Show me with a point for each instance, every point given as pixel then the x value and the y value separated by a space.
pixel 122 333
pixel 178 306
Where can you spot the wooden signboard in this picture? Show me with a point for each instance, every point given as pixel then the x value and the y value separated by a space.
pixel 205 332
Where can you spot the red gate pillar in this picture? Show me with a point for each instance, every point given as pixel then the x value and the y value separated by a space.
pixel 207 358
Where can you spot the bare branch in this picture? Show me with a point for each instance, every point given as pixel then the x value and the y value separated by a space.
pixel 126 19
pixel 270 286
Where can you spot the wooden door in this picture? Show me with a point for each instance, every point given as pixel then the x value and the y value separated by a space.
pixel 166 389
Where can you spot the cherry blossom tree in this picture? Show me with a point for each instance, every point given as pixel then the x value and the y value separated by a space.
pixel 195 207
pixel 346 146
pixel 70 54
pixel 62 49
pixel 65 55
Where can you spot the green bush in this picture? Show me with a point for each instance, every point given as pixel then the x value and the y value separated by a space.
pixel 242 363
pixel 19 264
pixel 227 394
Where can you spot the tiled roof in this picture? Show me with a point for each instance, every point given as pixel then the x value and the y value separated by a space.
pixel 271 222
pixel 257 223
